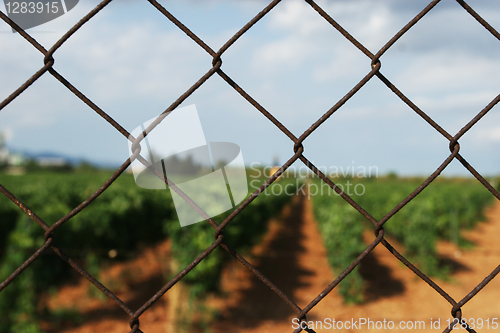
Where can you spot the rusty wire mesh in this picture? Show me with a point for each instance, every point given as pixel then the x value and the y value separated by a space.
pixel 378 225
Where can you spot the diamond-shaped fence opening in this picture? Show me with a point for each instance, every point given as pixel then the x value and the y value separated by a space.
pixel 298 152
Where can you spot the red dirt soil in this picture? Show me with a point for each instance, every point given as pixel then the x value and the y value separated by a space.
pixel 293 257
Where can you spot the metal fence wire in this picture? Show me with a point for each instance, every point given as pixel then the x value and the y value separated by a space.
pixel 374 72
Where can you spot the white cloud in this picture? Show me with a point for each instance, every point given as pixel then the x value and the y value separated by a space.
pixel 455 102
pixel 276 55
pixel 133 60
pixel 6 133
pixel 345 63
pixel 371 23
pixel 296 16
pixel 491 134
pixel 486 132
pixel 446 70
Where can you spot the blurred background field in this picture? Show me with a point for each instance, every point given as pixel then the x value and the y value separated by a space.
pixel 126 221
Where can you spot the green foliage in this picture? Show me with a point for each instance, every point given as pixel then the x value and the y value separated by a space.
pixel 32 166
pixel 439 212
pixel 64 316
pixel 122 218
pixel 244 231
pixel 343 238
pixel 18 300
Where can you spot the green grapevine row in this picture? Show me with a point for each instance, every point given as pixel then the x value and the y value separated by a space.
pixel 121 218
pixel 439 212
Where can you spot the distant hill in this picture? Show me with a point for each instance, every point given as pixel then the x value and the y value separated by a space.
pixel 58 158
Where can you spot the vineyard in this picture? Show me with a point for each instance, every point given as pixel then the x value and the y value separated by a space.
pixel 440 212
pixel 121 220
pixel 126 217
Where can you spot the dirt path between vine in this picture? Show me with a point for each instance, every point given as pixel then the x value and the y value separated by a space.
pixel 293 257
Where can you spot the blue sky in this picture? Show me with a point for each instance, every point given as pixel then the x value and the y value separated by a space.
pixel 133 63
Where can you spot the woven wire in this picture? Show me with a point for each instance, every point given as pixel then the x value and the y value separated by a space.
pixel 373 73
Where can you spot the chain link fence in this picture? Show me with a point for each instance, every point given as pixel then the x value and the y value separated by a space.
pixel 374 72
